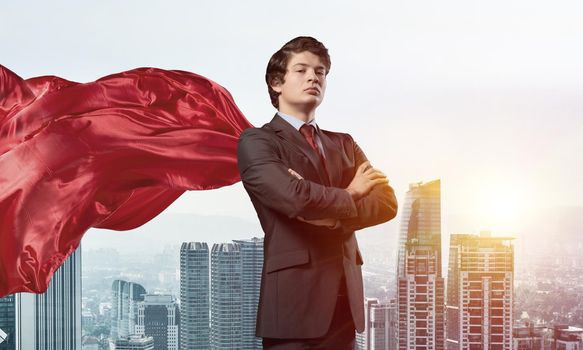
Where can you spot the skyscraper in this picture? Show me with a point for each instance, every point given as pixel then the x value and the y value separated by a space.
pixel 479 297
pixel 226 296
pixel 380 326
pixel 7 323
pixel 52 320
pixel 234 294
pixel 124 311
pixel 251 265
pixel 194 296
pixel 420 283
pixel 159 318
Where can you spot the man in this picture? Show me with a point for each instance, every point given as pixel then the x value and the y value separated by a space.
pixel 311 189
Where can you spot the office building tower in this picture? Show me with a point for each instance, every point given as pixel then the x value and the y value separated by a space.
pixel 566 338
pixel 479 292
pixel 380 332
pixel 159 318
pixel 251 251
pixel 226 296
pixel 194 296
pixel 135 342
pixel 235 280
pixel 124 309
pixel 8 322
pixel 420 289
pixel 52 320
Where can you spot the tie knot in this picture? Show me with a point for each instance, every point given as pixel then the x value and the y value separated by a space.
pixel 307 130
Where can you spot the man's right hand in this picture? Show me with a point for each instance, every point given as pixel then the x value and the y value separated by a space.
pixel 364 180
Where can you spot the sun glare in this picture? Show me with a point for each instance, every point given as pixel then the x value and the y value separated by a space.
pixel 500 207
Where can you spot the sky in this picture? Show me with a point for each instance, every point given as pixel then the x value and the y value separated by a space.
pixel 485 95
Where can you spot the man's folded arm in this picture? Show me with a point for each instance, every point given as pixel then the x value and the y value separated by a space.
pixel 266 177
pixel 377 207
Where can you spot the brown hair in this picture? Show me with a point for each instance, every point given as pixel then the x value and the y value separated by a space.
pixel 277 66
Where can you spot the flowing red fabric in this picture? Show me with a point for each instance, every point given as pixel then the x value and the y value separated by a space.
pixel 110 154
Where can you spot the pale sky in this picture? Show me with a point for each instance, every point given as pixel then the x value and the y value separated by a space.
pixel 487 96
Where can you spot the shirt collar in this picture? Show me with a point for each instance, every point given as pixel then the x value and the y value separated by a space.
pixel 296 123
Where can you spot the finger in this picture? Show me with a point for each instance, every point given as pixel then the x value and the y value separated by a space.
pixel 294 173
pixel 371 170
pixel 375 175
pixel 380 181
pixel 363 167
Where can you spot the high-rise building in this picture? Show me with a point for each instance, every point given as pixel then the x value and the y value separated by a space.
pixel 135 342
pixel 380 332
pixel 52 320
pixel 226 296
pixel 234 294
pixel 479 292
pixel 159 318
pixel 124 310
pixel 194 296
pixel 7 323
pixel 420 290
pixel 251 251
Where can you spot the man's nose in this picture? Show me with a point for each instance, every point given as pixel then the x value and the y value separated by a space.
pixel 312 76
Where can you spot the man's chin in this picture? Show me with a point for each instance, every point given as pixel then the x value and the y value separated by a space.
pixel 313 102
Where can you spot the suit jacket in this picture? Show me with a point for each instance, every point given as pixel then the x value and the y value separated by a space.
pixel 304 263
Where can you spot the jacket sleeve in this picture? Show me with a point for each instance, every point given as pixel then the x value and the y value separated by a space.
pixel 266 178
pixel 379 206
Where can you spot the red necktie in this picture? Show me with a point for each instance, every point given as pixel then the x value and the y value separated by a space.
pixel 308 132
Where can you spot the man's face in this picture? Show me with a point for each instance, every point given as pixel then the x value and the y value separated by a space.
pixel 304 82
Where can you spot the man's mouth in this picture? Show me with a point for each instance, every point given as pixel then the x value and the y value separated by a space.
pixel 312 90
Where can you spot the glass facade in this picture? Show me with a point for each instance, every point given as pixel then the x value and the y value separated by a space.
pixel 52 320
pixel 124 311
pixel 420 289
pixel 194 296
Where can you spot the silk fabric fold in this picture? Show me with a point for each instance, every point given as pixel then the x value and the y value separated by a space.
pixel 111 154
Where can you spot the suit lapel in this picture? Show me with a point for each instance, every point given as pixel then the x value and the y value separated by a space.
pixel 289 134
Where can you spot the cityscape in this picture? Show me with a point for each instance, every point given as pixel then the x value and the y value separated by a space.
pixel 483 291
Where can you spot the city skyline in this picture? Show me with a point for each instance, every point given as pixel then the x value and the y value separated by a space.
pixel 471 251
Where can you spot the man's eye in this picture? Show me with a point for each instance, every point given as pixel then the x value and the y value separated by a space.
pixel 300 70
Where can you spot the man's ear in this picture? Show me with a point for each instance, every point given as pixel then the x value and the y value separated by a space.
pixel 276 85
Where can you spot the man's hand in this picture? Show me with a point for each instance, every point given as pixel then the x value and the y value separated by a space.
pixel 294 173
pixel 364 180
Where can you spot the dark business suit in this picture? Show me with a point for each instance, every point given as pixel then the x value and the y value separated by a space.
pixel 304 264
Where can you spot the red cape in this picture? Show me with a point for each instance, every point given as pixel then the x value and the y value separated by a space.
pixel 110 154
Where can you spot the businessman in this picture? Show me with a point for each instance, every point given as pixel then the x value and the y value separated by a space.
pixel 311 189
